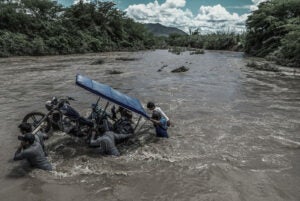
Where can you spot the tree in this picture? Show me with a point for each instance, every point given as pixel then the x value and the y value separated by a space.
pixel 272 28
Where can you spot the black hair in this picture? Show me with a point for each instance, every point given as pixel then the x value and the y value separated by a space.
pixel 25 127
pixel 28 137
pixel 150 105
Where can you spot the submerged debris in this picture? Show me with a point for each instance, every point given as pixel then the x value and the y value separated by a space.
pixel 180 69
pixel 114 72
pixel 263 67
pixel 126 58
pixel 98 62
pixel 164 66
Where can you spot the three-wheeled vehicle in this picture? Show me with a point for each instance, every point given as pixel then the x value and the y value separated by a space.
pixel 62 116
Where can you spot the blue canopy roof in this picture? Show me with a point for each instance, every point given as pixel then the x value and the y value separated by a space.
pixel 111 94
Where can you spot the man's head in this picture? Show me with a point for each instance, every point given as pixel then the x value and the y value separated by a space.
pixel 150 105
pixel 156 115
pixel 27 138
pixel 25 127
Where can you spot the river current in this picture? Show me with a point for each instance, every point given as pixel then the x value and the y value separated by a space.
pixel 236 132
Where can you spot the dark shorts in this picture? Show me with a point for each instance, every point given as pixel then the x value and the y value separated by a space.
pixel 160 132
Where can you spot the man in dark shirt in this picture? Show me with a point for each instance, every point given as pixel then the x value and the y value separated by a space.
pixel 40 137
pixel 31 150
pixel 107 142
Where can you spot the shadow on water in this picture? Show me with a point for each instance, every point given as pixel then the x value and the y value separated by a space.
pixel 23 169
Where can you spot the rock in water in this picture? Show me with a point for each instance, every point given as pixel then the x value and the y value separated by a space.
pixel 113 72
pixel 180 69
pixel 98 62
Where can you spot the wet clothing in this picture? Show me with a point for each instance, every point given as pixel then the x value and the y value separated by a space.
pixel 161 128
pixel 35 155
pixel 158 109
pixel 40 137
pixel 107 142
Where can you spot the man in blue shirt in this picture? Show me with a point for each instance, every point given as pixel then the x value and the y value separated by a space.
pixel 152 107
pixel 160 124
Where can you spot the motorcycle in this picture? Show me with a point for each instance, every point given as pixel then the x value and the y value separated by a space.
pixel 63 117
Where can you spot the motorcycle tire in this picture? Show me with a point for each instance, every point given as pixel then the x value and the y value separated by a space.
pixel 34 119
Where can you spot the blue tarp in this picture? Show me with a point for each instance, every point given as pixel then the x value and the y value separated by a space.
pixel 111 94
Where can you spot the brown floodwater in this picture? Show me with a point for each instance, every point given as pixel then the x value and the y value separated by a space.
pixel 236 133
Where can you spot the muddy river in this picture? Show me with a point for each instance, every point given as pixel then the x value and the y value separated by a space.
pixel 236 133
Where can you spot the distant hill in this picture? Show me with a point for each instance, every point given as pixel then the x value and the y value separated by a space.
pixel 160 30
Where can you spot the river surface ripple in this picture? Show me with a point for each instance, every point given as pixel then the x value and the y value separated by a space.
pixel 236 133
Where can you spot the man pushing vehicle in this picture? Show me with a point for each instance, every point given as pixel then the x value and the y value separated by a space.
pixel 32 148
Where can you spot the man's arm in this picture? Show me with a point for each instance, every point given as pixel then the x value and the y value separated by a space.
pixel 122 136
pixel 19 155
pixel 156 122
pixel 96 142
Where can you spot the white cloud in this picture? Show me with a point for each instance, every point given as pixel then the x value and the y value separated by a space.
pixel 173 4
pixel 172 13
pixel 218 18
pixel 256 3
pixel 169 13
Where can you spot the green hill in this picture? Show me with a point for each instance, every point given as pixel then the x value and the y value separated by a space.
pixel 160 30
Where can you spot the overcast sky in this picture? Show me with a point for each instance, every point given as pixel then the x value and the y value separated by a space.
pixel 207 15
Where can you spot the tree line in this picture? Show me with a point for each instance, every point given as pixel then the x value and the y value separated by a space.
pixel 43 27
pixel 273 31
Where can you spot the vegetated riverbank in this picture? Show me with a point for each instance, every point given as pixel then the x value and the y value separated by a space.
pixel 44 27
pixel 273 32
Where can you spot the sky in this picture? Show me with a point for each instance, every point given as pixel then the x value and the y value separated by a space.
pixel 205 15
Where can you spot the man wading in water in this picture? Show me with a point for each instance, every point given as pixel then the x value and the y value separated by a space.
pixel 40 137
pixel 107 142
pixel 151 106
pixel 31 150
pixel 160 124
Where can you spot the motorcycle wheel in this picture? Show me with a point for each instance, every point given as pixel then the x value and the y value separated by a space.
pixel 34 119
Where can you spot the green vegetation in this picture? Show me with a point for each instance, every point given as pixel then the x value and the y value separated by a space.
pixel 43 27
pixel 213 41
pixel 273 31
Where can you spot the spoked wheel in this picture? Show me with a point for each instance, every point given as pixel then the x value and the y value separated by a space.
pixel 34 118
